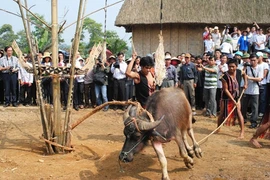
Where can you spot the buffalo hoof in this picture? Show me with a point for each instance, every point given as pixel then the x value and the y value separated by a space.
pixel 198 151
pixel 189 162
pixel 190 153
pixel 165 178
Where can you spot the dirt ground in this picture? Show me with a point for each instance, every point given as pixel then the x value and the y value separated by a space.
pixel 99 139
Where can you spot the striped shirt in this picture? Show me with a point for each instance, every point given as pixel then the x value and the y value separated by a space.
pixel 211 78
pixel 9 62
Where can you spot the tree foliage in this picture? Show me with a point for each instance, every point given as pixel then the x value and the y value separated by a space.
pixel 7 35
pixel 96 35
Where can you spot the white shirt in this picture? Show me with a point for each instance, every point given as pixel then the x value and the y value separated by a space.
pixel 209 45
pixel 25 76
pixel 216 38
pixel 253 88
pixel 262 67
pixel 119 73
pixel 268 76
pixel 260 39
pixel 221 69
pixel 226 48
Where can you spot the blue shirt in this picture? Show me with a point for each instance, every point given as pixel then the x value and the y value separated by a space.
pixel 188 72
pixel 243 43
pixel 11 62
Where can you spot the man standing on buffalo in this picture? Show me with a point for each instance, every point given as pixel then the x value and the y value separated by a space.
pixel 188 80
pixel 9 67
pixel 144 79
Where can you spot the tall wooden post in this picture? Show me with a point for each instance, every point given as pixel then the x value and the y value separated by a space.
pixel 56 83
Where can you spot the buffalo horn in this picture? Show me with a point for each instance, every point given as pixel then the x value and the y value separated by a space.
pixel 126 114
pixel 145 126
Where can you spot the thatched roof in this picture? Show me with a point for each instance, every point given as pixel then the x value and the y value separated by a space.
pixel 134 12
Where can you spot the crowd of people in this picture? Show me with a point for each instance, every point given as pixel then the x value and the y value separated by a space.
pixel 232 63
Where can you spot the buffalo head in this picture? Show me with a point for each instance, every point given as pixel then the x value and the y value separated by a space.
pixel 137 130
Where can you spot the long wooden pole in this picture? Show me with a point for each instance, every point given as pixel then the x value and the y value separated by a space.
pixel 71 83
pixel 55 79
pixel 42 109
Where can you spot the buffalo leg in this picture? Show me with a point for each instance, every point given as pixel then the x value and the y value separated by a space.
pixel 183 152
pixel 162 159
pixel 196 146
pixel 188 148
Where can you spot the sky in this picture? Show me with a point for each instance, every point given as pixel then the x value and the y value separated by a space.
pixel 67 10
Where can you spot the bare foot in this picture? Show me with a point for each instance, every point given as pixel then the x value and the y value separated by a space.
pixel 241 136
pixel 255 143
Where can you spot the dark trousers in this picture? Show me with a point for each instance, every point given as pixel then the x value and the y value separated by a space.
pixel 119 89
pixel 253 100
pixel 262 99
pixel 78 93
pixel 110 90
pixel 199 97
pixel 1 90
pixel 25 94
pixel 89 93
pixel 47 89
pixel 33 92
pixel 10 84
pixel 129 89
pixel 218 97
pixel 64 87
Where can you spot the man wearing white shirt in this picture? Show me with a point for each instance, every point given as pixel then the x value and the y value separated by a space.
pixel 222 67
pixel 251 95
pixel 265 69
pixel 259 41
pixel 26 81
pixel 119 74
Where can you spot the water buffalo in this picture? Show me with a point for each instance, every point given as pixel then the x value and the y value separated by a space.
pixel 172 121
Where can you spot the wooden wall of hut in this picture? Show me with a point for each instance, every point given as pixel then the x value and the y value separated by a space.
pixel 178 38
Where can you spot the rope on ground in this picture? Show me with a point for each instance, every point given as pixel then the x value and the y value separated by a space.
pixel 205 138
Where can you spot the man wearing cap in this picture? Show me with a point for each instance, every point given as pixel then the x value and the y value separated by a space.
pixel 216 38
pixel 188 80
pixel 238 55
pixel 9 66
pixel 171 79
pixel 243 43
pixel 226 47
pixel 263 66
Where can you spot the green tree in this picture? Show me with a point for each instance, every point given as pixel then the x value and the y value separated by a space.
pixel 96 35
pixel 7 35
pixel 22 41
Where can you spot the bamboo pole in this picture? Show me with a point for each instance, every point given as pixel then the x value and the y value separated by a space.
pixel 42 110
pixel 66 140
pixel 58 134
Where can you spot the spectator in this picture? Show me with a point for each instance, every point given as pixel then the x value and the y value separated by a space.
pixel 89 89
pixel 210 87
pixel 110 91
pixel 200 84
pixel 259 41
pixel 209 45
pixel 9 67
pixel 26 81
pixel 222 68
pixel 235 37
pixel 101 81
pixel 267 46
pixel 205 33
pixel 226 47
pixel 1 81
pixel 64 82
pixel 129 84
pixel 218 56
pixel 265 69
pixel 119 74
pixel 243 43
pixel 230 95
pixel 78 90
pixel 47 81
pixel 171 78
pixel 216 38
pixel 188 80
pixel 251 95
pixel 144 79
